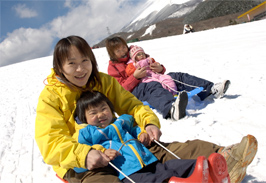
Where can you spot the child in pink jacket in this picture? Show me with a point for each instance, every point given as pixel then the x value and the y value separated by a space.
pixel 139 59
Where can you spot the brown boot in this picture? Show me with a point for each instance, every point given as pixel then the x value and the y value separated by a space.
pixel 239 156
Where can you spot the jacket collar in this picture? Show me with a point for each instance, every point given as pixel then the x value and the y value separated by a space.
pixel 124 59
pixel 54 80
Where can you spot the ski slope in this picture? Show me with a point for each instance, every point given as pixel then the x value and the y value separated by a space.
pixel 234 52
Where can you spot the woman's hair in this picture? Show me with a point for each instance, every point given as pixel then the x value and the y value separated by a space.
pixel 62 53
pixel 112 44
pixel 88 100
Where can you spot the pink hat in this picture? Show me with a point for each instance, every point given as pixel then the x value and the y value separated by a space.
pixel 134 50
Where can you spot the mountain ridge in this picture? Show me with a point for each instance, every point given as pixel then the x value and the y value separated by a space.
pixel 175 10
pixel 208 14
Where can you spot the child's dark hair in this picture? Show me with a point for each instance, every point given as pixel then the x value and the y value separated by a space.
pixel 90 99
pixel 112 44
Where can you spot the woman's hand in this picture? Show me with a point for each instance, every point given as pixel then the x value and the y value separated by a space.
pixel 140 73
pixel 96 159
pixel 144 138
pixel 154 132
pixel 156 67
pixel 112 154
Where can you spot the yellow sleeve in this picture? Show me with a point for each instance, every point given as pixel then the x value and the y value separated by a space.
pixel 54 137
pixel 98 147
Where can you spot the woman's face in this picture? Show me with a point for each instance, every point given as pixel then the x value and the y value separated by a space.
pixel 100 115
pixel 77 68
pixel 121 51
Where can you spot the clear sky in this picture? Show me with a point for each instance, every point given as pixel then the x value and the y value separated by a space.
pixel 31 28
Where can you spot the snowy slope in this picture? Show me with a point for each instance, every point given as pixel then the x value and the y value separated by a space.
pixel 235 52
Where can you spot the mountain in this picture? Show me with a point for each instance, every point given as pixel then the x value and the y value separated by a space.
pixel 169 19
pixel 213 8
pixel 161 10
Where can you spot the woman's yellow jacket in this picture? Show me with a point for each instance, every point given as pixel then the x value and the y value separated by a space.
pixel 56 131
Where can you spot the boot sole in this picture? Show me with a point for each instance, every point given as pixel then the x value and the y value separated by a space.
pixel 182 100
pixel 250 150
pixel 247 157
pixel 182 104
pixel 226 86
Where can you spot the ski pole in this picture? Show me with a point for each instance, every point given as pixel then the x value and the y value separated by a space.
pixel 166 149
pixel 121 172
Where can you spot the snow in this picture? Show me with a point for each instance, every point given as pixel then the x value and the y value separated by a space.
pixel 234 52
pixel 156 5
pixel 151 12
pixel 149 30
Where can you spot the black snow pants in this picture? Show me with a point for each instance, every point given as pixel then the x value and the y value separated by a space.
pixel 159 172
pixel 161 99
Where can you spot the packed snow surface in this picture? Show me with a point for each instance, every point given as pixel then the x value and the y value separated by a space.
pixel 234 52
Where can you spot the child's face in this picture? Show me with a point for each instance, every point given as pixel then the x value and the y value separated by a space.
pixel 100 115
pixel 140 56
pixel 77 69
pixel 121 51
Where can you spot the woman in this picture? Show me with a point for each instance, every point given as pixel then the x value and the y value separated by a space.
pixel 74 71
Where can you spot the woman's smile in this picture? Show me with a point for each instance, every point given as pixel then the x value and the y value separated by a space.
pixel 81 76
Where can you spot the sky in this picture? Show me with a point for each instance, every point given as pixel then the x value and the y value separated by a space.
pixel 31 28
pixel 235 52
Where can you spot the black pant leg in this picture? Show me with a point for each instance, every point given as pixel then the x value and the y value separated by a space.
pixel 158 97
pixel 180 167
pixel 193 81
pixel 159 172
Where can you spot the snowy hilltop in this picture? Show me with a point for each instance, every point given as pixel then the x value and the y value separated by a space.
pixel 156 11
pixel 234 52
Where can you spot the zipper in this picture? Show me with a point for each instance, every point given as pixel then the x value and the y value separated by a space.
pixel 129 145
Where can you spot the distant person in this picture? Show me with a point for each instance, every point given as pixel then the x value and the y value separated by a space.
pixel 153 92
pixel 139 59
pixel 188 29
pixel 118 139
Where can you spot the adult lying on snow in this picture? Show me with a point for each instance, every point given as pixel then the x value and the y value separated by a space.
pixel 153 92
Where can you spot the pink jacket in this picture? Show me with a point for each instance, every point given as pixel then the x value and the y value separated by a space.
pixel 166 80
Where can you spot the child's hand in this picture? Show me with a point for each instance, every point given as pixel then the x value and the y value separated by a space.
pixel 156 67
pixel 111 153
pixel 140 73
pixel 144 138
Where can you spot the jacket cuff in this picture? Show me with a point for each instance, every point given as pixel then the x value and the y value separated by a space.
pixel 164 69
pixel 82 155
pixel 132 83
pixel 142 131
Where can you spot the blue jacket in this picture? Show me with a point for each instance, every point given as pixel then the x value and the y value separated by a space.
pixel 122 136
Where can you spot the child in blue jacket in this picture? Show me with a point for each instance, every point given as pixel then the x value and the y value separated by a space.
pixel 118 139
